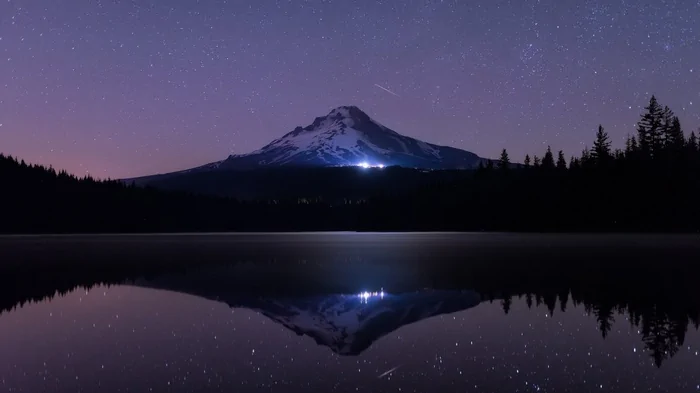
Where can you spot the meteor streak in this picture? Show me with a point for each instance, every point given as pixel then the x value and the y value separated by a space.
pixel 387 90
pixel 388 372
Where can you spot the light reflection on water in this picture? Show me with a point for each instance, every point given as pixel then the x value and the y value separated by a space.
pixel 109 339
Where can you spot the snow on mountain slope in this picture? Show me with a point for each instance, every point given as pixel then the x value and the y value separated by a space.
pixel 344 137
pixel 348 136
pixel 332 138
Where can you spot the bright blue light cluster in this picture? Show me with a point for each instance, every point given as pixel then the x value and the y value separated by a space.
pixel 366 165
pixel 365 296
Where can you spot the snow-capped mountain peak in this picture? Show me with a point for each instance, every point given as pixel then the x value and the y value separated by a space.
pixel 348 136
pixel 345 136
pixel 354 117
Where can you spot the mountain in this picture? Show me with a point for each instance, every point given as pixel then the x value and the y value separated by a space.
pixel 346 136
pixel 323 160
pixel 348 324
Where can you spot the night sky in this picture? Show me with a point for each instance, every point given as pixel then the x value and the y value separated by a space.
pixel 127 88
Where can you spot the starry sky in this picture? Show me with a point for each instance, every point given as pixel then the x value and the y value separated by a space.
pixel 115 339
pixel 127 88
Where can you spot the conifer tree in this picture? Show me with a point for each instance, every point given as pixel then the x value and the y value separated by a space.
pixel 691 150
pixel 585 158
pixel 548 160
pixel 618 154
pixel 561 161
pixel 527 161
pixel 650 129
pixel 630 145
pixel 574 163
pixel 600 154
pixel 504 161
pixel 666 123
pixel 674 139
pixel 692 144
pixel 536 162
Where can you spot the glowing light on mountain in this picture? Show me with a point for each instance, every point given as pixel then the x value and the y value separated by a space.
pixel 366 165
pixel 365 296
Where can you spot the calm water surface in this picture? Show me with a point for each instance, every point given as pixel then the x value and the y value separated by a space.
pixel 487 325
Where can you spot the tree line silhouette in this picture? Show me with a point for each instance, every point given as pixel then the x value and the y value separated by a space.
pixel 661 304
pixel 662 322
pixel 653 184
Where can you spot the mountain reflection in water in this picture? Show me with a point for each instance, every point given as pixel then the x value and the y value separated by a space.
pixel 110 338
pixel 309 326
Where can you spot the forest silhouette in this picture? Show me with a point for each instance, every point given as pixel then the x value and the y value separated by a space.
pixel 662 304
pixel 651 185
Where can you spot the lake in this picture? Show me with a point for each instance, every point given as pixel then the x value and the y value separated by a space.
pixel 349 312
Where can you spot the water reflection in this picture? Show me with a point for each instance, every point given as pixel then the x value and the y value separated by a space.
pixel 133 338
pixel 347 324
pixel 661 308
pixel 409 316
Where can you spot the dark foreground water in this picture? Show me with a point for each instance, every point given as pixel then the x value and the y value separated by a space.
pixel 350 312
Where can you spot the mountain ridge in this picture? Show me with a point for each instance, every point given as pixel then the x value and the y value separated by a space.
pixel 346 136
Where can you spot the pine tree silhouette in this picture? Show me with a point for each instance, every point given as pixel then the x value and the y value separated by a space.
pixel 506 303
pixel 674 139
pixel 574 163
pixel 586 160
pixel 604 315
pixel 504 161
pixel 563 300
pixel 561 161
pixel 692 144
pixel 618 155
pixel 600 155
pixel 548 160
pixel 692 157
pixel 651 129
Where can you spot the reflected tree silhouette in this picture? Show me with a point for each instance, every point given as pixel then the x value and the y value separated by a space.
pixel 660 305
pixel 506 303
pixel 528 300
pixel 662 328
pixel 563 300
pixel 604 316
